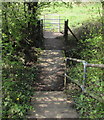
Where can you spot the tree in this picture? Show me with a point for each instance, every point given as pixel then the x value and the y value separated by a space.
pixel 20 31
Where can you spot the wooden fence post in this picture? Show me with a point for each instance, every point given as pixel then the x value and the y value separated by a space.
pixel 66 30
pixel 42 28
pixel 39 34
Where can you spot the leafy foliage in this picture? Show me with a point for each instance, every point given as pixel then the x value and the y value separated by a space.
pixel 20 31
pixel 91 50
pixel 17 90
pixel 19 55
pixel 20 39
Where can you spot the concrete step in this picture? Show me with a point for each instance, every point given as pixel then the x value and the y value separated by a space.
pixel 51 70
pixel 51 105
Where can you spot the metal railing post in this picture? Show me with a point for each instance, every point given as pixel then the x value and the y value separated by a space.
pixel 82 86
pixel 84 75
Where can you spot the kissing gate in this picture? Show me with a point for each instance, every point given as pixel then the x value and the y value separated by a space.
pixel 53 22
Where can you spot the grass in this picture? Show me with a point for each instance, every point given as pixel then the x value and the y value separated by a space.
pixel 76 14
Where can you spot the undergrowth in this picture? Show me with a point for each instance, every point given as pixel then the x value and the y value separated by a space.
pixel 90 50
pixel 17 90
pixel 85 20
pixel 20 50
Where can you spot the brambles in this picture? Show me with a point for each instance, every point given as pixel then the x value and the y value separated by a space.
pixel 17 90
pixel 19 55
pixel 91 51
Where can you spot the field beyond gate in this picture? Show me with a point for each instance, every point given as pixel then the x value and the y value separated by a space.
pixel 53 23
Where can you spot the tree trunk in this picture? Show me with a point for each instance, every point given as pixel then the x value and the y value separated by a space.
pixel 6 28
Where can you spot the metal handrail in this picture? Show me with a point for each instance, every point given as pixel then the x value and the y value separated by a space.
pixel 85 65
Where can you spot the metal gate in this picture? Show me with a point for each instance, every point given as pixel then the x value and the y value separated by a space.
pixel 53 22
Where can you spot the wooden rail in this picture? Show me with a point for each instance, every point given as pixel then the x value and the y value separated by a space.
pixel 66 28
pixel 72 33
pixel 74 59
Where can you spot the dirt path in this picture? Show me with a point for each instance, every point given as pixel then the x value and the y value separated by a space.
pixel 49 101
pixel 51 64
pixel 52 41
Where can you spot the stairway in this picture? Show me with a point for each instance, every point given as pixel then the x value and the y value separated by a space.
pixel 51 66
pixel 52 104
pixel 49 100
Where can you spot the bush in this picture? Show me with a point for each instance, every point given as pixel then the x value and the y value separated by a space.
pixel 17 90
pixel 90 50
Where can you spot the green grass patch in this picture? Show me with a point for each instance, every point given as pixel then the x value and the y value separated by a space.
pixel 77 14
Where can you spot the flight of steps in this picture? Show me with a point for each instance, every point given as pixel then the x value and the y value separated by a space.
pixel 49 100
